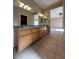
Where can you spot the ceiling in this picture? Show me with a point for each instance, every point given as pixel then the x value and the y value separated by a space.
pixel 37 5
pixel 45 3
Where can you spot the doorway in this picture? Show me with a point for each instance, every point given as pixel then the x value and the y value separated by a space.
pixel 56 19
pixel 23 20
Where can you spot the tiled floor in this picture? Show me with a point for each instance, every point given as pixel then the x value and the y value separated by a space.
pixel 51 46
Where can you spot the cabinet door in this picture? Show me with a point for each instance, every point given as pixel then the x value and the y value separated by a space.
pixel 24 42
pixel 35 36
pixel 24 32
pixel 41 32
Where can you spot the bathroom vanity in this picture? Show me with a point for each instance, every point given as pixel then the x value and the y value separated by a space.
pixel 25 36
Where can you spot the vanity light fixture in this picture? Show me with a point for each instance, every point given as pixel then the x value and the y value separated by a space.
pixel 45 17
pixel 21 5
pixel 40 14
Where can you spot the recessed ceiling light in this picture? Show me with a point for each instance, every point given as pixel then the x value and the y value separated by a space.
pixel 21 4
pixel 25 7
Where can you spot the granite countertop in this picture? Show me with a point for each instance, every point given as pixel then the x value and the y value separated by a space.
pixel 24 27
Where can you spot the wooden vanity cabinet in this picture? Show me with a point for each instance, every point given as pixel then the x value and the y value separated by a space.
pixel 27 36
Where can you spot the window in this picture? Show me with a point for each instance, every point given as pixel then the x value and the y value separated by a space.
pixel 36 20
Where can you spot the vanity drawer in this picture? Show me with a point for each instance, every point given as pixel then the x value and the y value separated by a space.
pixel 35 36
pixel 24 32
pixel 34 30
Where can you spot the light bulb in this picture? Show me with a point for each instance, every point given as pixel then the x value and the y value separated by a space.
pixel 45 17
pixel 21 4
pixel 25 7
pixel 29 8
